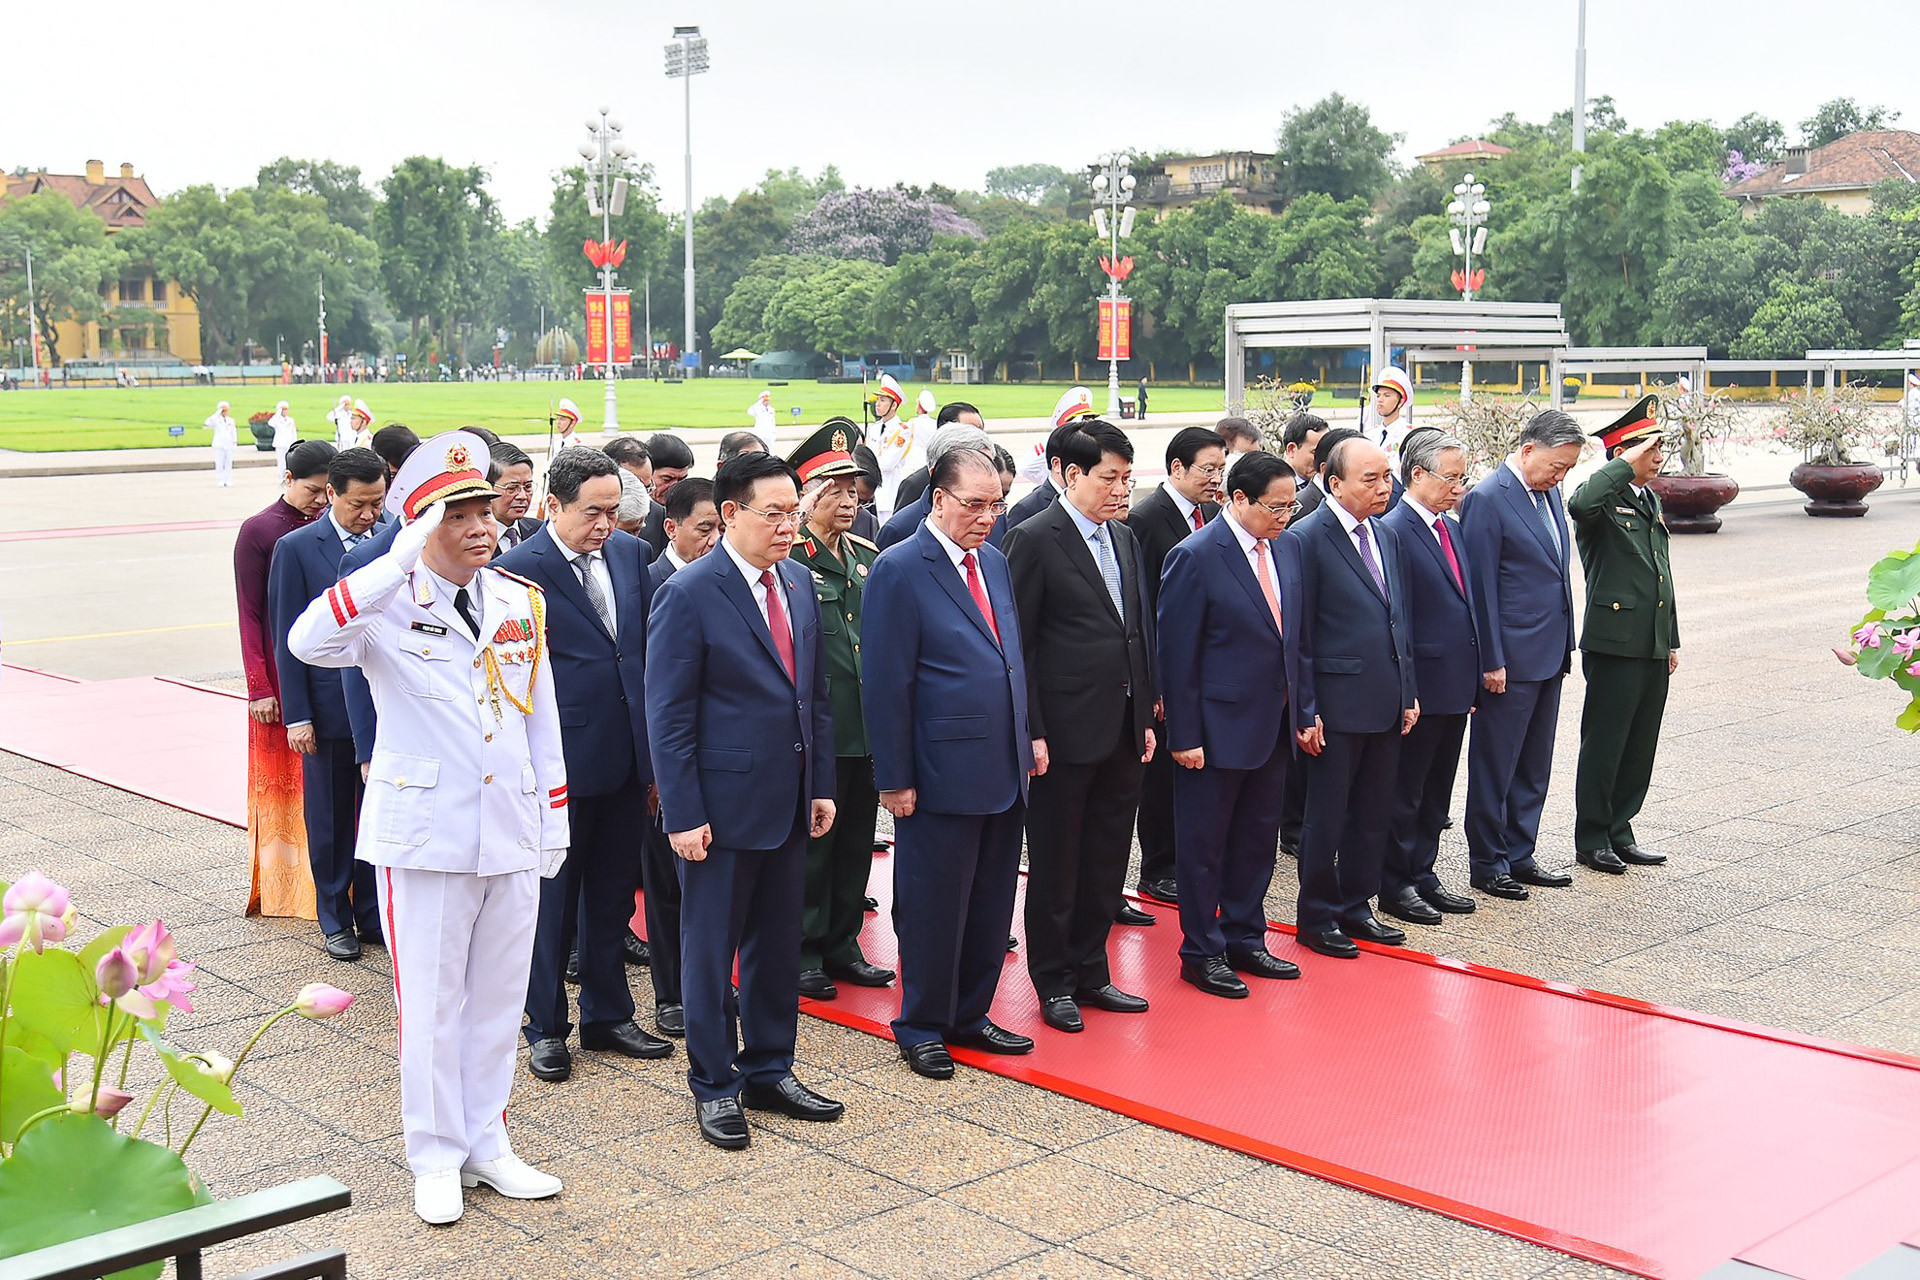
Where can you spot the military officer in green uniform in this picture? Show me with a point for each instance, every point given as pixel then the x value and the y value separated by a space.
pixel 839 862
pixel 1630 644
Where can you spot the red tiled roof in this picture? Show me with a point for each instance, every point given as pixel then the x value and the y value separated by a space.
pixel 1854 162
pixel 102 198
pixel 1471 147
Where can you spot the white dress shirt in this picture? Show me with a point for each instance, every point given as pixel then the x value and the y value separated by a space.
pixel 752 575
pixel 957 554
pixel 1253 548
pixel 1426 517
pixel 673 558
pixel 1180 501
pixel 347 542
pixel 597 569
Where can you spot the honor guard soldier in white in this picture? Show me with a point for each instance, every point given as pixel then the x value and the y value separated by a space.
pixel 466 808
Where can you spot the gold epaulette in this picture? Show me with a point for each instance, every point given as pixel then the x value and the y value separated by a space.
pixel 528 583
pixel 856 539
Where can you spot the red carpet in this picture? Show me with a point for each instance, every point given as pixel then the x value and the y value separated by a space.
pixel 1655 1140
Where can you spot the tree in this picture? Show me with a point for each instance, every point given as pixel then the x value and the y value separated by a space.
pixel 1756 137
pixel 743 318
pixel 728 238
pixel 571 223
pixel 926 303
pixel 1333 147
pixel 1708 290
pixel 1799 316
pixel 347 201
pixel 1840 117
pixel 828 310
pixel 73 262
pixel 794 194
pixel 432 226
pixel 1045 185
pixel 877 226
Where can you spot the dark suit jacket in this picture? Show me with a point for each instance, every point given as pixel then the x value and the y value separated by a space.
pixel 905 520
pixel 523 529
pixel 1446 648
pixel 353 684
pixel 660 570
pixel 1222 662
pixel 1159 527
pixel 735 743
pixel 1348 660
pixel 865 523
pixel 1309 495
pixel 1043 496
pixel 1082 660
pixel 305 563
pixel 598 680
pixel 946 704
pixel 912 487
pixel 653 530
pixel 1522 597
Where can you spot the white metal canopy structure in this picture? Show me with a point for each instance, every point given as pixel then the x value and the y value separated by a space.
pixel 1430 331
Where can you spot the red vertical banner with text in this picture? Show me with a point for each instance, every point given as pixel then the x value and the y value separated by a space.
pixel 597 326
pixel 1116 329
pixel 622 326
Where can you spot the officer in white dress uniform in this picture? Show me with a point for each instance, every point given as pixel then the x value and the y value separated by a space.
pixel 361 419
pixel 886 399
pixel 766 419
pixel 1389 412
pixel 566 421
pixel 903 451
pixel 341 416
pixel 1076 402
pixel 285 433
pixel 226 438
pixel 466 808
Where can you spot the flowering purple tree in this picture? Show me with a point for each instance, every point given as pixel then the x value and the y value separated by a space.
pixel 875 226
pixel 1739 168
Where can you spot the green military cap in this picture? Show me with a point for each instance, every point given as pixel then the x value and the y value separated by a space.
pixel 828 451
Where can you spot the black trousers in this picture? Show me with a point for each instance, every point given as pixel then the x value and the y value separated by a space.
pixel 1156 811
pixel 660 878
pixel 1293 806
pixel 954 880
pixel 838 867
pixel 1079 836
pixel 595 887
pixel 1228 821
pixel 330 790
pixel 1349 785
pixel 1619 736
pixel 1429 762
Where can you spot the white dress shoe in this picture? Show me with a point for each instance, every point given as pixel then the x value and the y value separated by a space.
pixel 511 1177
pixel 436 1197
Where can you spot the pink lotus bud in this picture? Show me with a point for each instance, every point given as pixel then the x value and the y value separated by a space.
pixel 1913 669
pixel 318 1000
pixel 1848 657
pixel 107 1105
pixel 35 909
pixel 116 974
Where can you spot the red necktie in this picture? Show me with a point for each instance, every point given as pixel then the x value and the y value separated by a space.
pixel 980 595
pixel 1198 522
pixel 777 622
pixel 1446 545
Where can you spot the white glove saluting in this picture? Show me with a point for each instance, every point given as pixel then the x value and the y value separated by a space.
pixel 412 539
pixel 551 860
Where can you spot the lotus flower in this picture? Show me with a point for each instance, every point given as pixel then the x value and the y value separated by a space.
pixel 1906 642
pixel 163 975
pixel 318 1000
pixel 1848 658
pixel 106 1103
pixel 217 1065
pixel 35 909
pixel 119 980
pixel 1913 669
pixel 1868 637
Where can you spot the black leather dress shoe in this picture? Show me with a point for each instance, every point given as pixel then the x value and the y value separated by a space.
pixel 550 1060
pixel 1262 963
pixel 930 1059
pixel 1408 905
pixel 1110 998
pixel 1291 850
pixel 1634 855
pixel 670 1019
pixel 1130 914
pixel 1328 942
pixel 343 945
pixel 816 985
pixel 375 938
pixel 1062 1014
pixel 1368 929
pixel 861 974
pixel 992 1039
pixel 636 950
pixel 1163 890
pixel 1454 904
pixel 625 1038
pixel 1213 976
pixel 1545 879
pixel 1503 887
pixel 723 1123
pixel 572 973
pixel 791 1099
pixel 1601 860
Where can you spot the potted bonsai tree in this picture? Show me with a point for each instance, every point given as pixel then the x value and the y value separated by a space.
pixel 1696 424
pixel 1828 430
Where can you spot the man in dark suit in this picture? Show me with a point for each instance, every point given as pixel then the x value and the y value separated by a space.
pixel 742 744
pixel 1048 491
pixel 945 690
pixel 514 484
pixel 1223 662
pixel 394 445
pixel 1352 678
pixel 1183 503
pixel 1087 639
pixel 1516 535
pixel 1446 669
pixel 598 592
pixel 913 485
pixel 1299 440
pixel 671 461
pixel 906 519
pixel 306 562
pixel 1628 651
pixel 692 527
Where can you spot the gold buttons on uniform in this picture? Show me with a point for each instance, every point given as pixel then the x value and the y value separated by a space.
pixel 399 782
pixel 488 778
pixel 476 664
pixel 1616 606
pixel 489 737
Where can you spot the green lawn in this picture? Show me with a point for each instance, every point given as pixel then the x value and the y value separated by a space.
pixel 112 418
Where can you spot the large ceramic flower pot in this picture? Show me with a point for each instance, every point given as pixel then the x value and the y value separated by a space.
pixel 1836 490
pixel 1691 504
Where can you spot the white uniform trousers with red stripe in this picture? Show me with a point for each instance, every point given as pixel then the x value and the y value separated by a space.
pixel 461 944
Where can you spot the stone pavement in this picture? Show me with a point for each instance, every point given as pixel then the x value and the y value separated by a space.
pixel 1793 899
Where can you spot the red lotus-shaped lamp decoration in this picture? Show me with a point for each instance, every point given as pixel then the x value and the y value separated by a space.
pixel 605 253
pixel 1119 270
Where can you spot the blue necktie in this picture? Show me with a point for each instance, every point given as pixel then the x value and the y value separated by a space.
pixel 1109 570
pixel 1546 518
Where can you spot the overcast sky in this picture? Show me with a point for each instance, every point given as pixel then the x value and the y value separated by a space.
pixel 913 92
